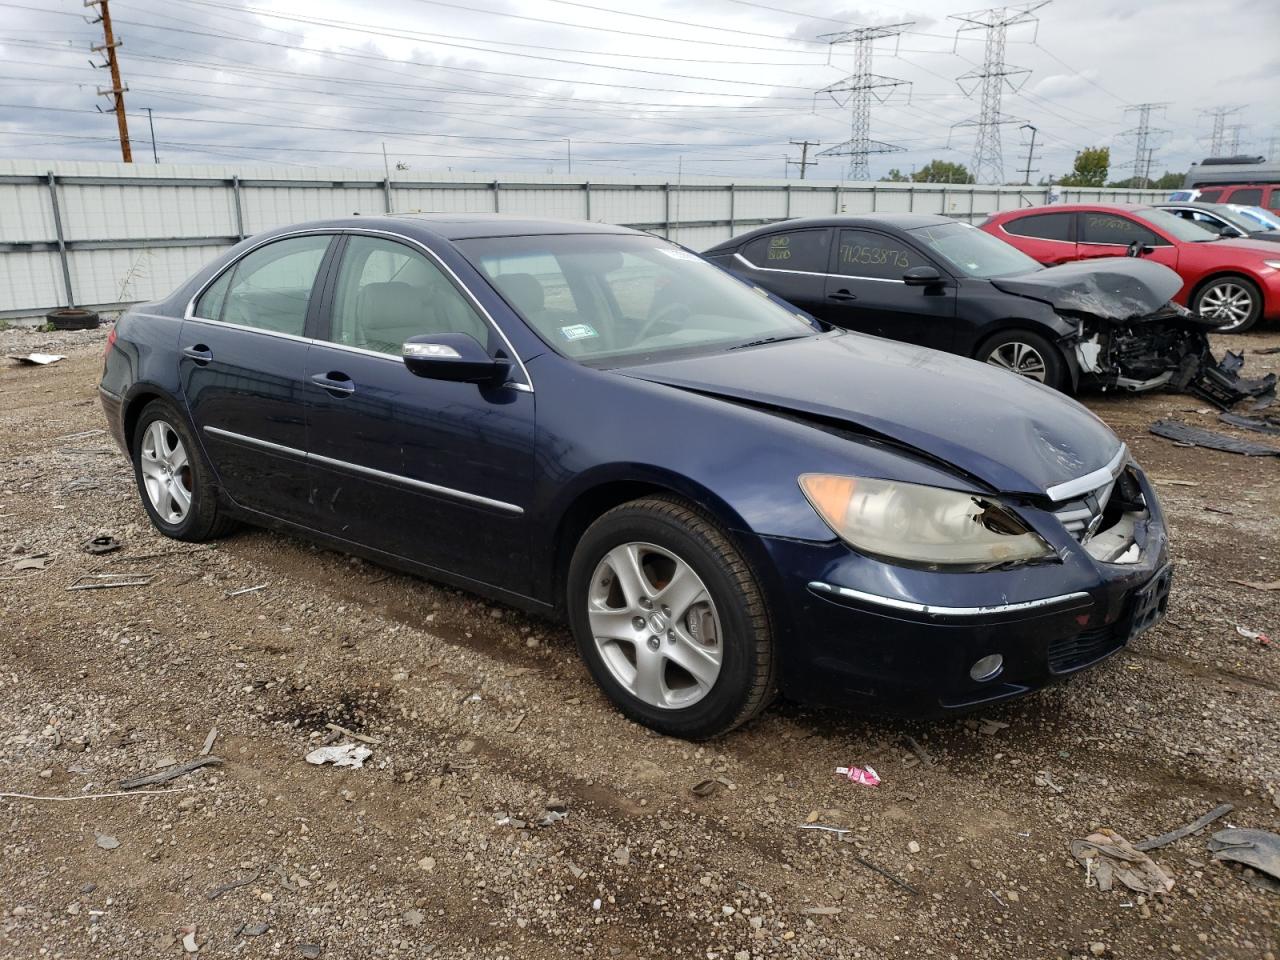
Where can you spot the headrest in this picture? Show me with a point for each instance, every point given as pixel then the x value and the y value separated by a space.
pixel 523 290
pixel 392 305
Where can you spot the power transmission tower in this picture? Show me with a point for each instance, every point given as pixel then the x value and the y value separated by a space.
pixel 861 86
pixel 804 163
pixel 1273 148
pixel 1028 170
pixel 1217 139
pixel 1233 138
pixel 108 47
pixel 992 78
pixel 1143 156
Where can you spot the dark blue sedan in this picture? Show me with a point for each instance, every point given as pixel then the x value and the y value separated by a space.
pixel 723 497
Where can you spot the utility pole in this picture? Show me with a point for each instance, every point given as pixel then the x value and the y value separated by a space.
pixel 804 163
pixel 861 86
pixel 991 79
pixel 1028 170
pixel 1217 139
pixel 108 47
pixel 155 157
pixel 1143 156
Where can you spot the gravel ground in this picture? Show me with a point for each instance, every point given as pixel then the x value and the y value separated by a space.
pixel 484 720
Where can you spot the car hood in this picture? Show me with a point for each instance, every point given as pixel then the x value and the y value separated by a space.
pixel 1114 288
pixel 1014 435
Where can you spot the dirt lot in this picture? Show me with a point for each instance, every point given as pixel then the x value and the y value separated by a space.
pixel 484 717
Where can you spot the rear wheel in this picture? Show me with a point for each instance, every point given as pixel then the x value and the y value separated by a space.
pixel 670 620
pixel 1027 354
pixel 176 484
pixel 1235 301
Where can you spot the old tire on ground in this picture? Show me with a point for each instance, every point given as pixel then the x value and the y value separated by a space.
pixel 670 619
pixel 1235 300
pixel 174 481
pixel 72 319
pixel 1027 354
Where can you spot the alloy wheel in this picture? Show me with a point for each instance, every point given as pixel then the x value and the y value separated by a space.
pixel 655 625
pixel 166 472
pixel 1229 302
pixel 1021 358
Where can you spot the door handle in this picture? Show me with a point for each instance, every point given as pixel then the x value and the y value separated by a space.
pixel 842 295
pixel 336 383
pixel 199 353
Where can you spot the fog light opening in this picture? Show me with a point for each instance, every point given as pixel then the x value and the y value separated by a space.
pixel 988 668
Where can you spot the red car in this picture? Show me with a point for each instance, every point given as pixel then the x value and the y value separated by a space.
pixel 1235 281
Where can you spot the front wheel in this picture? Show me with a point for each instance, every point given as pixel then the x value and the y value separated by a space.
pixel 670 620
pixel 1028 355
pixel 1235 301
pixel 176 484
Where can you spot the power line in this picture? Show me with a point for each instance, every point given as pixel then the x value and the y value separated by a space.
pixel 862 85
pixel 117 91
pixel 1142 157
pixel 992 78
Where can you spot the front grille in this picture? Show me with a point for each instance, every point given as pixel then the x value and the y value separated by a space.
pixel 1080 516
pixel 1072 653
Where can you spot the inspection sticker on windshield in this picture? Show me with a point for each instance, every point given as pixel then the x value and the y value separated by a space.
pixel 578 331
pixel 675 253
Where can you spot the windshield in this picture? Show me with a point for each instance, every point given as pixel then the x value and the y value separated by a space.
pixel 1174 226
pixel 600 297
pixel 1258 217
pixel 974 252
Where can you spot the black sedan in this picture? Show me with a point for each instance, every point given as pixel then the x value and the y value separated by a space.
pixel 722 497
pixel 944 284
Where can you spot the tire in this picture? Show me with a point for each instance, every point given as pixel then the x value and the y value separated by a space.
pixel 72 319
pixel 169 467
pixel 1235 298
pixel 1040 359
pixel 670 537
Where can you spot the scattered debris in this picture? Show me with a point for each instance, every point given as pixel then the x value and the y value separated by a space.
pixel 1252 634
pixel 921 753
pixel 237 593
pixel 515 724
pixel 886 874
pixel 86 796
pixel 37 359
pixel 218 891
pixel 1254 848
pixel 107 842
pixel 1258 585
pixel 254 929
pixel 705 788
pixel 1176 483
pixel 346 755
pixel 1263 351
pixel 181 770
pixel 992 727
pixel 1195 826
pixel 189 942
pixel 822 911
pixel 838 831
pixel 102 544
pixel 208 742
pixel 352 734
pixel 110 581
pixel 1268 425
pixel 1196 437
pixel 310 950
pixel 38 562
pixel 866 776
pixel 1219 381
pixel 1109 857
pixel 996 897
pixel 1045 779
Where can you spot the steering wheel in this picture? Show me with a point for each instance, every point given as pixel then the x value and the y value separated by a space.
pixel 672 313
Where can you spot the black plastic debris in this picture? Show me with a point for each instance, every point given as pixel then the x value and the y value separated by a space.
pixel 102 544
pixel 1221 384
pixel 1197 437
pixel 1268 425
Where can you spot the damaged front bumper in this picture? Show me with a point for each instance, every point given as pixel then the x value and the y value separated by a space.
pixel 1168 349
pixel 863 632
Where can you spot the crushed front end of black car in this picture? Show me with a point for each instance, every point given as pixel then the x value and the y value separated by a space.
pixel 1131 336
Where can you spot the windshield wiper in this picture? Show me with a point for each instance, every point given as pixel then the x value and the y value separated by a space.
pixel 762 341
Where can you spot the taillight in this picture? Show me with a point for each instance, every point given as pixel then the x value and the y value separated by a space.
pixel 111 342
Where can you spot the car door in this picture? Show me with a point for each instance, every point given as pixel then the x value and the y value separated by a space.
pixel 866 276
pixel 1047 238
pixel 242 366
pixel 1102 233
pixel 433 471
pixel 791 264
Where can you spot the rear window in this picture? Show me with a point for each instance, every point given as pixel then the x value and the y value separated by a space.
pixel 1209 196
pixel 1249 196
pixel 1041 226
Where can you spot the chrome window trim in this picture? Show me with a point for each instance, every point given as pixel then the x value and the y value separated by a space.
pixel 813 273
pixel 369 471
pixel 1090 481
pixel 1004 228
pixel 925 608
pixel 189 312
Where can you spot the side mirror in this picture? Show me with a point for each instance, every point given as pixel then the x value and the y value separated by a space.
pixel 1137 249
pixel 922 276
pixel 1229 231
pixel 455 357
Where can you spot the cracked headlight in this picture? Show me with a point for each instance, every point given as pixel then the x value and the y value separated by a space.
pixel 919 524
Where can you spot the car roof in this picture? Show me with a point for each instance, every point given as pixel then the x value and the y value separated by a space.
pixel 1073 207
pixel 901 221
pixel 1197 205
pixel 462 226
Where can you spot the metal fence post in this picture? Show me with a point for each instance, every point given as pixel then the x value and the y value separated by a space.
pixel 943 211
pixel 733 203
pixel 497 206
pixel 666 216
pixel 788 201
pixel 62 241
pixel 386 193
pixel 837 210
pixel 911 199
pixel 235 192
pixel 586 193
pixel 873 198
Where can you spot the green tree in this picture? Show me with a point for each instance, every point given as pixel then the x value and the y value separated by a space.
pixel 896 176
pixel 1170 181
pixel 1090 168
pixel 941 171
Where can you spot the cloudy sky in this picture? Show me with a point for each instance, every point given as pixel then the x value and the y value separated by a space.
pixel 716 88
